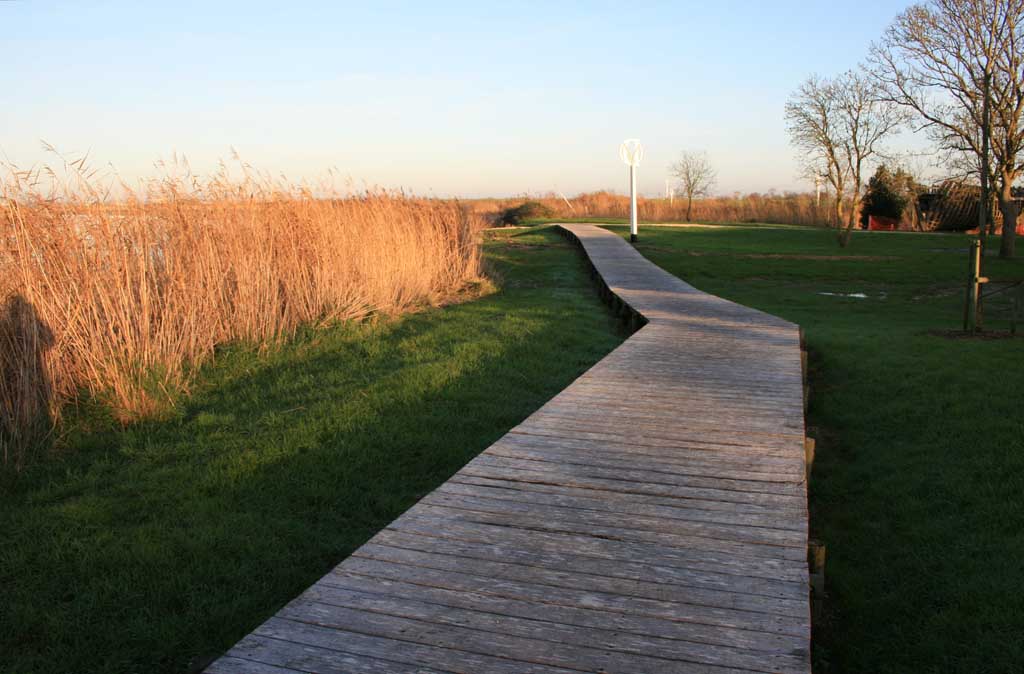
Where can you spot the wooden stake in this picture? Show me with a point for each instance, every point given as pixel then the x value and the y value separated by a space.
pixel 809 456
pixel 972 310
pixel 816 565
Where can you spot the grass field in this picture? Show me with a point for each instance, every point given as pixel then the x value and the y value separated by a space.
pixel 917 486
pixel 151 548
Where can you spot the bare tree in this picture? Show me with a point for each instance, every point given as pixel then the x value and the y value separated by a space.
pixel 696 175
pixel 840 126
pixel 812 119
pixel 959 66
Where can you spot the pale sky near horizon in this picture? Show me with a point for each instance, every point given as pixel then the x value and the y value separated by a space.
pixel 464 99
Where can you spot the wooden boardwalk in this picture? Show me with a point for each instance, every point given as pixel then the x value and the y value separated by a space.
pixel 652 517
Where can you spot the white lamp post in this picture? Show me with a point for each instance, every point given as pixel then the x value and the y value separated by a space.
pixel 631 152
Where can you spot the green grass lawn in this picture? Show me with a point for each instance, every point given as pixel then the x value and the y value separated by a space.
pixel 151 548
pixel 918 486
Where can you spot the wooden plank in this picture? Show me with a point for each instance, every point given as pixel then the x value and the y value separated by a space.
pixel 556 557
pixel 700 448
pixel 685 430
pixel 592 525
pixel 710 498
pixel 562 614
pixel 261 653
pixel 232 665
pixel 445 632
pixel 735 526
pixel 680 457
pixel 474 500
pixel 651 517
pixel 630 502
pixel 611 649
pixel 401 654
pixel 618 456
pixel 724 489
pixel 672 472
pixel 532 569
pixel 606 548
pixel 722 441
pixel 542 595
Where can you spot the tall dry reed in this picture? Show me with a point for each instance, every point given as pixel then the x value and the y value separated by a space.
pixel 119 297
pixel 789 208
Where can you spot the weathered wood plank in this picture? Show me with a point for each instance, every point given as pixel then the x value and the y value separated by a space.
pixel 446 633
pixel 670 473
pixel 582 615
pixel 541 595
pixel 627 505
pixel 633 502
pixel 709 498
pixel 532 569
pixel 681 457
pixel 401 655
pixel 606 547
pixel 592 525
pixel 696 453
pixel 618 457
pixel 609 649
pixel 555 556
pixel 588 518
pixel 232 665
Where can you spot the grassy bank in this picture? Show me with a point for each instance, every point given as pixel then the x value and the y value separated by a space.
pixel 920 464
pixel 151 548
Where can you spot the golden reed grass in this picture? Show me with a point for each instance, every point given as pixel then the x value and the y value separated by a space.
pixel 789 208
pixel 120 297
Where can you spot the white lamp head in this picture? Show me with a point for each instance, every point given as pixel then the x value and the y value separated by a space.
pixel 631 152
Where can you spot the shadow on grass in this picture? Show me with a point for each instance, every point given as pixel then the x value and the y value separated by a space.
pixel 26 391
pixel 156 547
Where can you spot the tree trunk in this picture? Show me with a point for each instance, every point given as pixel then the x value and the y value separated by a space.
pixel 1009 210
pixel 984 203
pixel 847 233
pixel 689 207
pixel 839 211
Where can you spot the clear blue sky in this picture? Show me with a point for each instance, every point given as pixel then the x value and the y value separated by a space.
pixel 450 99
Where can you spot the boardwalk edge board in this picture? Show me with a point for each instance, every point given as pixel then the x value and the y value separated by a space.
pixel 651 517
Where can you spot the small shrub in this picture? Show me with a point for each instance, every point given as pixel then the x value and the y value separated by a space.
pixel 525 211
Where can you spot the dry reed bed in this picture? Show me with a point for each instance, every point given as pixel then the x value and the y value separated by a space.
pixel 120 298
pixel 789 208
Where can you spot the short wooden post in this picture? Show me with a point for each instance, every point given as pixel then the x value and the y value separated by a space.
pixel 972 309
pixel 816 564
pixel 816 568
pixel 809 456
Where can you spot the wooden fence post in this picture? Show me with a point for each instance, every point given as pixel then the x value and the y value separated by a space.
pixel 972 309
pixel 809 456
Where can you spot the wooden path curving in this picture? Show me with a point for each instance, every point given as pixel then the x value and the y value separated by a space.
pixel 652 517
